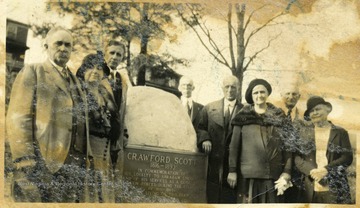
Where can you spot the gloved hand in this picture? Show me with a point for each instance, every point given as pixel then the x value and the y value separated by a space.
pixel 283 183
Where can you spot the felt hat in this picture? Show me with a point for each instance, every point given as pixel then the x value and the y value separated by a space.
pixel 312 102
pixel 254 83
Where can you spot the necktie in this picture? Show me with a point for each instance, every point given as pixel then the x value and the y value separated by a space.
pixel 65 74
pixel 187 107
pixel 227 115
pixel 113 76
pixel 288 115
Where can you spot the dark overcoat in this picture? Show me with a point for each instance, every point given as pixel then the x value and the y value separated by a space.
pixel 195 113
pixel 212 128
pixel 339 156
pixel 257 158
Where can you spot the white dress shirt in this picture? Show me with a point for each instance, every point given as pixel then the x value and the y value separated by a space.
pixel 230 105
pixel 186 101
pixel 60 69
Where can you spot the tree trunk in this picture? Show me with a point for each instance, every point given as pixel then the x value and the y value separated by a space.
pixel 144 36
pixel 231 41
pixel 240 75
pixel 144 42
pixel 240 12
pixel 128 61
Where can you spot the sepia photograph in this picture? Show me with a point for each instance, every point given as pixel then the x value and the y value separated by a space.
pixel 180 103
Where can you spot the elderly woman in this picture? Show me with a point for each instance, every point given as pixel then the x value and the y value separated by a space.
pixel 325 154
pixel 258 162
pixel 103 124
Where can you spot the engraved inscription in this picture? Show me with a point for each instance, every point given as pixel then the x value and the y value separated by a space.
pixel 182 176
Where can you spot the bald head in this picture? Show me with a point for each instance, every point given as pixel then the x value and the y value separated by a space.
pixel 186 86
pixel 230 87
pixel 290 95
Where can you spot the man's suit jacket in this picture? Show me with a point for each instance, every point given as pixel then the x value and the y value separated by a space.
pixel 339 156
pixel 40 116
pixel 212 128
pixel 195 113
pixel 116 88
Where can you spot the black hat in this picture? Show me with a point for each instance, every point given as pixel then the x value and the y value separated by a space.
pixel 312 102
pixel 255 82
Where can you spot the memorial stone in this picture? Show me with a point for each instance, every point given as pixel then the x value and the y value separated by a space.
pixel 161 156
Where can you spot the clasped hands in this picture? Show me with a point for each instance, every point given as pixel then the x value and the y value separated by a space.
pixel 318 173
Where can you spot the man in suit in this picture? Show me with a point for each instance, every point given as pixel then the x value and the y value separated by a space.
pixel 325 153
pixel 213 138
pixel 290 96
pixel 186 87
pixel 114 56
pixel 115 69
pixel 46 126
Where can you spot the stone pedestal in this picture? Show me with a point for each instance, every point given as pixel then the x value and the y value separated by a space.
pixel 174 175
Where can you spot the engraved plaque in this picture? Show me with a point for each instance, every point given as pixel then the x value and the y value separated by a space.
pixel 163 172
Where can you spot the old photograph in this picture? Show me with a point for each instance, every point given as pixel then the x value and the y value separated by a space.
pixel 205 103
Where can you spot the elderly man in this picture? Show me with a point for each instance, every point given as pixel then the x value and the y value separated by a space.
pixel 290 96
pixel 186 87
pixel 213 130
pixel 46 127
pixel 325 154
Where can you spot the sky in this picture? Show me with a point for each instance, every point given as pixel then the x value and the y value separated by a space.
pixel 318 45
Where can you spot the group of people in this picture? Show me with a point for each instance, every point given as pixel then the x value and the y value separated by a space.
pixel 64 129
pixel 257 153
pixel 64 132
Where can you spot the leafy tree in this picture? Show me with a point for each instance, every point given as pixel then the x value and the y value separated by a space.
pixel 95 22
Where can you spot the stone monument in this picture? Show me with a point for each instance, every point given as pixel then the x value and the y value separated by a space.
pixel 161 156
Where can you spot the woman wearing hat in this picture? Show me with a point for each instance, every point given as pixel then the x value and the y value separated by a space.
pixel 325 152
pixel 258 162
pixel 103 124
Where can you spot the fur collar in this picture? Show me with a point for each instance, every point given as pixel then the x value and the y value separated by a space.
pixel 273 116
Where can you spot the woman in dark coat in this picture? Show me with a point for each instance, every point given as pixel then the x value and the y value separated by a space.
pixel 103 124
pixel 258 161
pixel 325 154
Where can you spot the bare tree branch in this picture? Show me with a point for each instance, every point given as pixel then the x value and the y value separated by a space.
pixel 252 14
pixel 212 42
pixel 222 61
pixel 262 27
pixel 260 51
pixel 207 33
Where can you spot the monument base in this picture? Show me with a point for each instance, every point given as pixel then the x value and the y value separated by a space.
pixel 166 173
